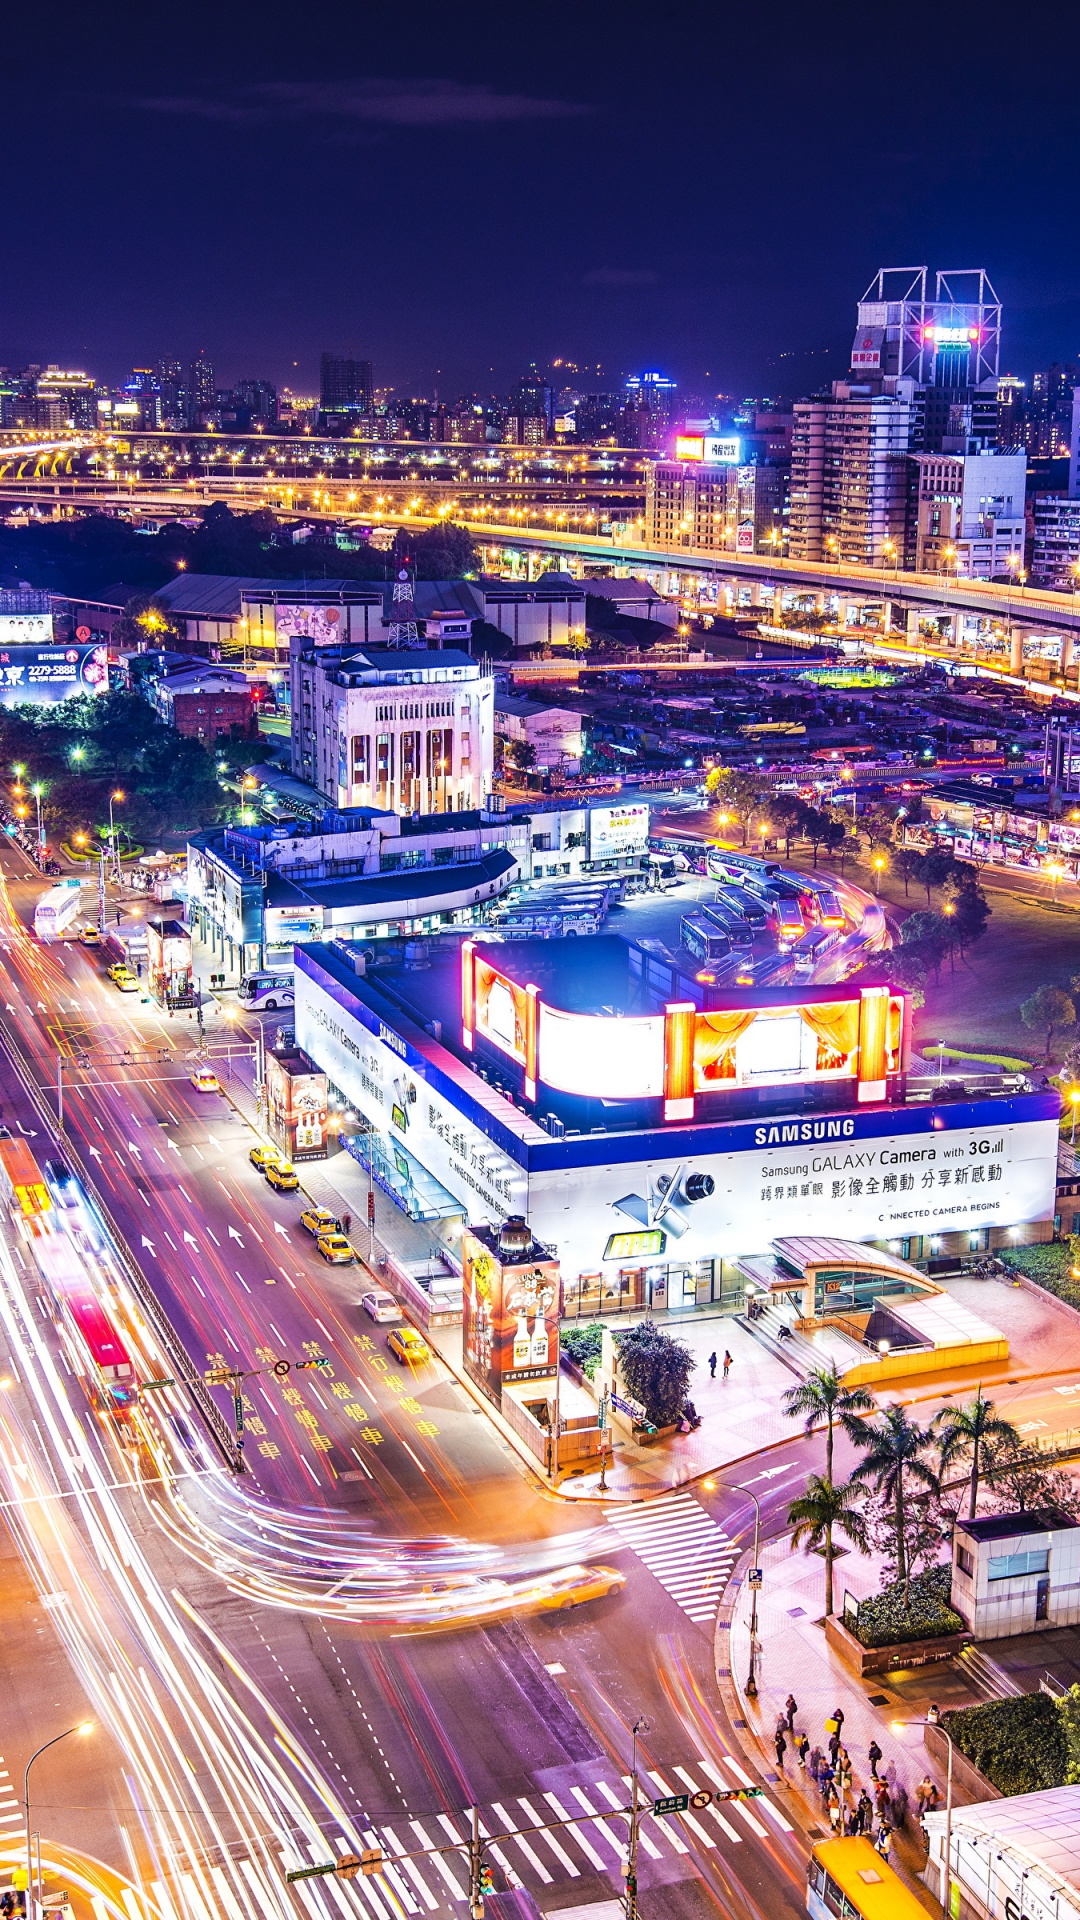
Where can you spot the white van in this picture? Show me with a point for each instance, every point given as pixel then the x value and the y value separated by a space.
pixel 271 990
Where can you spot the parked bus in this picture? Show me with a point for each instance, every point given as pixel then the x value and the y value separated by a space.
pixel 704 939
pixel 783 913
pixel 743 903
pixel 848 1880
pixel 57 909
pixel 739 931
pixel 811 950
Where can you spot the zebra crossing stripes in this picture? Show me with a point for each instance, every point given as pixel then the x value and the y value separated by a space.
pixel 682 1548
pixel 11 1812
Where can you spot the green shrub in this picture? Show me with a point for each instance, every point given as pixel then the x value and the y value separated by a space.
pixel 1048 1265
pixel 1019 1744
pixel 583 1346
pixel 883 1620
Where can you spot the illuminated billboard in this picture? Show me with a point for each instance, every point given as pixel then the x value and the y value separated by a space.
pixel 952 336
pixel 710 449
pixel 678 1052
pixel 510 1315
pixel 296 1102
pixel 47 675
pixel 26 629
pixel 690 446
pixel 321 624
pixel 616 833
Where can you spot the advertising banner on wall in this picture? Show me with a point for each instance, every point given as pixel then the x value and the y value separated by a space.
pixel 296 1096
pixel 616 832
pixel 47 675
pixel 26 629
pixel 510 1318
pixel 320 624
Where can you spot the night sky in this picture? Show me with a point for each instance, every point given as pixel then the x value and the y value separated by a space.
pixel 455 190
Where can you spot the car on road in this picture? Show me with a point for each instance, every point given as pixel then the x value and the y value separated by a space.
pixel 126 982
pixel 319 1220
pixel 281 1175
pixel 408 1347
pixel 205 1080
pixel 90 937
pixel 261 1157
pixel 335 1248
pixel 381 1306
pixel 118 969
pixel 572 1586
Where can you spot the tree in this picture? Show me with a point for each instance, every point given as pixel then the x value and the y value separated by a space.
pixel 1048 1010
pixel 445 552
pixel 821 1512
pixel 822 1396
pixel 907 863
pixel 971 911
pixel 934 868
pixel 736 792
pixel 894 1447
pixel 879 825
pixel 1027 1482
pixel 146 622
pixel 925 1526
pixel 966 1430
pixel 522 753
pixel 655 1369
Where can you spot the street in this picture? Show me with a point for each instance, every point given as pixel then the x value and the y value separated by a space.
pixel 262 1724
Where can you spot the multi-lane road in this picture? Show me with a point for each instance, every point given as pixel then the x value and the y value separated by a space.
pixel 250 1720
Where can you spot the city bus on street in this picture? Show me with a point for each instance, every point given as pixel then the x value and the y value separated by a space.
pixel 273 990
pixel 848 1880
pixel 57 909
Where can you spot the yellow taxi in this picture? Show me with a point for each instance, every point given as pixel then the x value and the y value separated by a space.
pixel 408 1347
pixel 572 1586
pixel 281 1175
pixel 335 1248
pixel 261 1157
pixel 118 969
pixel 205 1080
pixel 320 1220
pixel 90 937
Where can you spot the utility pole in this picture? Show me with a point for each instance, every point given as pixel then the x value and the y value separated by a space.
pixel 476 1898
pixel 630 1905
pixel 101 892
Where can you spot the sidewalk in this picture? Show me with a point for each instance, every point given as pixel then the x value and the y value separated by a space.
pixel 793 1657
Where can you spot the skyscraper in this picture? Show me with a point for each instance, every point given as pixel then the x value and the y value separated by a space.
pixel 201 388
pixel 345 385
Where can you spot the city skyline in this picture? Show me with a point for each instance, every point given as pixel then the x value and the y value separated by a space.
pixel 364 190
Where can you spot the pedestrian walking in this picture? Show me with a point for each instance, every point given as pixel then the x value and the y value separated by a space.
pixel 825 1780
pixel 881 1798
pixel 873 1754
pixel 802 1748
pixel 792 1707
pixel 881 1841
pixel 727 1363
pixel 781 1748
pixel 712 1366
pixel 834 1811
pixel 815 1764
pixel 838 1719
pixel 925 1794
pixel 834 1747
pixel 898 1806
pixel 781 1724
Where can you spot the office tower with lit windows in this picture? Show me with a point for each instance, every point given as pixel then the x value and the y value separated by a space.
pixel 202 389
pixel 346 392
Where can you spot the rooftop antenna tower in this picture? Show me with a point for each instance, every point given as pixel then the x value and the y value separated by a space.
pixel 403 628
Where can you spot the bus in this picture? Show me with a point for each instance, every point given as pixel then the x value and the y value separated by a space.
pixel 811 950
pixel 57 909
pixel 76 1306
pixel 257 990
pixel 848 1880
pixel 21 1184
pixel 743 903
pixel 704 939
pixel 783 913
pixel 739 931
pixel 740 868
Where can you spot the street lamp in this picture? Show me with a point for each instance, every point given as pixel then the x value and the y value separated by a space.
pixel 85 1727
pixel 117 795
pixel 1074 1102
pixel 37 790
pixel 879 868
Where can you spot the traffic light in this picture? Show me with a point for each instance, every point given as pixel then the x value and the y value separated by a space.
pixel 487 1880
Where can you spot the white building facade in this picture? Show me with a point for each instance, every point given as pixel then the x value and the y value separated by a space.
pixel 970 513
pixel 409 732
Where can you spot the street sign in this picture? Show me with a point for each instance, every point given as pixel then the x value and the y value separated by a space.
pixel 371 1860
pixel 703 1798
pixel 672 1803
pixel 754 1577
pixel 349 1866
pixel 148 1386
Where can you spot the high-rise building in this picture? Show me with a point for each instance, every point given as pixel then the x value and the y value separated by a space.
pixel 849 473
pixel 172 388
pixel 345 385
pixel 1012 413
pixel 202 388
pixel 65 399
pixel 722 505
pixel 969 514
pixel 650 409
pixel 1055 557
pixel 1049 418
pixel 259 399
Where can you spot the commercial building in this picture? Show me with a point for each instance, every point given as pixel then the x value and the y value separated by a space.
pixel 710 500
pixel 553 732
pixel 369 876
pixel 1055 554
pixel 1016 1858
pixel 346 393
pixel 970 513
pixel 406 732
pixel 206 703
pixel 654 1139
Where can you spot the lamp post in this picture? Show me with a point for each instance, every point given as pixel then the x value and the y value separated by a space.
pixel 37 790
pixel 85 1727
pixel 117 795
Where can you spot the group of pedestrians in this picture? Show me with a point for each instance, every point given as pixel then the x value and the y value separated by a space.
pixel 881 1808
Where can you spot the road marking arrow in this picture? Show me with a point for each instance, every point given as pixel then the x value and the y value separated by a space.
pixel 132 1148
pixel 190 1238
pixel 42 1007
pixel 28 1133
pixel 95 1152
pixel 233 1235
pixel 8 1006
pixel 278 1228
pixel 150 1244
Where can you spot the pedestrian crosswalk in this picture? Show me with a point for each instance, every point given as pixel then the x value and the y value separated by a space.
pixel 682 1547
pixel 11 1812
pixel 551 1837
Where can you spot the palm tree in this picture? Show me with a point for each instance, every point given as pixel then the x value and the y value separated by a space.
pixel 966 1429
pixel 820 1512
pixel 895 1446
pixel 823 1396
